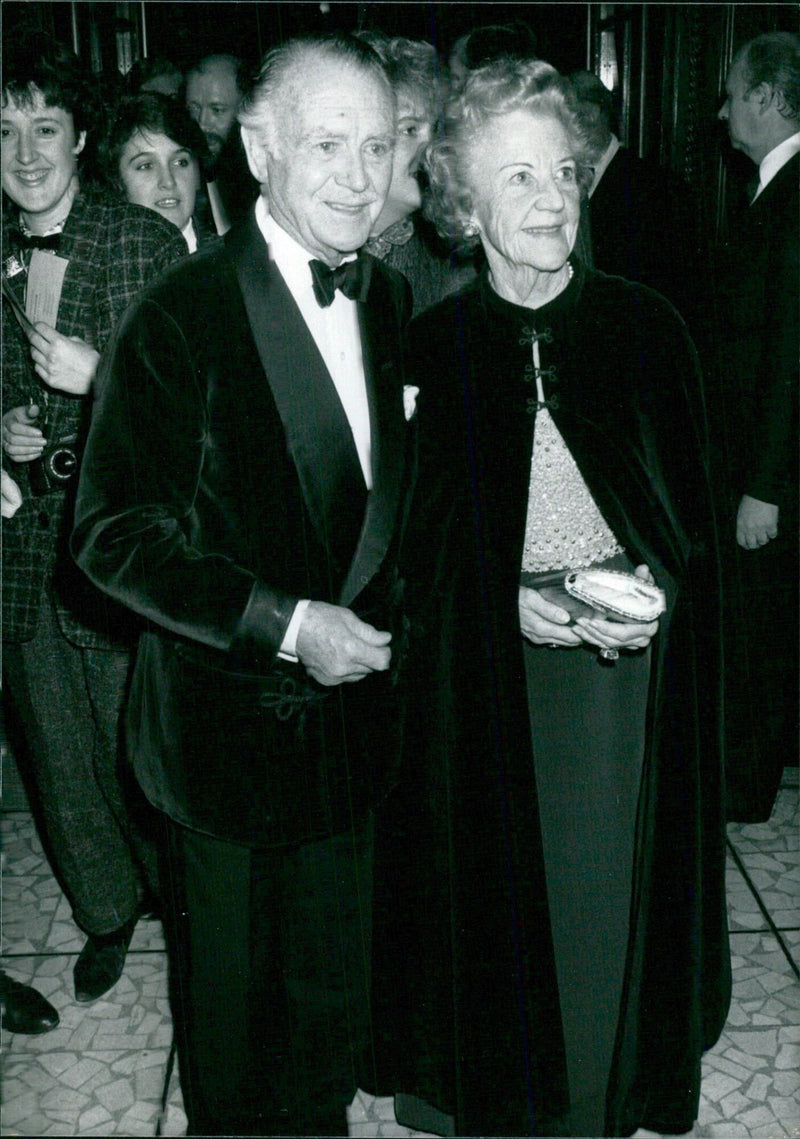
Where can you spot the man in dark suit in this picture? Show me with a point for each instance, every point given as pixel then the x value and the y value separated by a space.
pixel 643 220
pixel 66 655
pixel 215 87
pixel 755 414
pixel 243 490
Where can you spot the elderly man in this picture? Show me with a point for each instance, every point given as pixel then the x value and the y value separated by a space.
pixel 755 410
pixel 215 88
pixel 73 263
pixel 244 489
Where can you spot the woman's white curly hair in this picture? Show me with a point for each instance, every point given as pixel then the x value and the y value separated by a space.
pixel 497 89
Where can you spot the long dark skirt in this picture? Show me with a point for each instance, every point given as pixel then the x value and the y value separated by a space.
pixel 588 725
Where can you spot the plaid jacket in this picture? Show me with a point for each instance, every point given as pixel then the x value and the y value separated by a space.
pixel 114 249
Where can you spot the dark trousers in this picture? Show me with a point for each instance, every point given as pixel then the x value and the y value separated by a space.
pixel 270 953
pixel 587 722
pixel 66 702
pixel 761 621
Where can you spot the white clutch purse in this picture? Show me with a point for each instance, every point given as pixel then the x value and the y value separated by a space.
pixel 618 596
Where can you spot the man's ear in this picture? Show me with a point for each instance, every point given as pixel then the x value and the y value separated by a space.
pixel 763 96
pixel 780 104
pixel 256 150
pixel 80 144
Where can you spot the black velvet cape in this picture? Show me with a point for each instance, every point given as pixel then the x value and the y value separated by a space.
pixel 465 993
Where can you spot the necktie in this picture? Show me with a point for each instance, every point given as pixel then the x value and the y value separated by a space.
pixel 36 241
pixel 352 278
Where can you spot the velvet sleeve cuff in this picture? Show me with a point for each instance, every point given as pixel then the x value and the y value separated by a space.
pixel 262 627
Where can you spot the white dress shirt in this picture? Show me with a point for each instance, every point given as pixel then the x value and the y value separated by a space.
pixel 776 160
pixel 336 332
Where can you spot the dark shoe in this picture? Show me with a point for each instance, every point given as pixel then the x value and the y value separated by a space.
pixel 24 1009
pixel 101 961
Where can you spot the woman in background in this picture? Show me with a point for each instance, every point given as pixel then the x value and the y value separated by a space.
pixel 401 237
pixel 151 152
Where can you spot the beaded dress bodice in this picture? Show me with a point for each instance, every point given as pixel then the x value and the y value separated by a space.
pixel 564 528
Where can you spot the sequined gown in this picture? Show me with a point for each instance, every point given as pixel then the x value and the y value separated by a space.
pixel 569 805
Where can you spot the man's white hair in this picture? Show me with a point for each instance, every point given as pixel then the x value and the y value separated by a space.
pixel 272 92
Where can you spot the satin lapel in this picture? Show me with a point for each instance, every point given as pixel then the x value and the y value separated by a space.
pixel 380 342
pixel 317 432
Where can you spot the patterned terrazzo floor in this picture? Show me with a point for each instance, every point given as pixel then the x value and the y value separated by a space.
pixel 102 1071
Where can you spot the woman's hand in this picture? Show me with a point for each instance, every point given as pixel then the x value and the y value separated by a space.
pixel 65 363
pixel 544 623
pixel 22 441
pixel 614 634
pixel 10 495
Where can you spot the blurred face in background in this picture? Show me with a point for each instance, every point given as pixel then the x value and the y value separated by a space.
pixel 212 99
pixel 158 173
pixel 414 131
pixel 40 149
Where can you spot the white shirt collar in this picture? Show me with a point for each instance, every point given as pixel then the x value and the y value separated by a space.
pixel 335 330
pixel 289 255
pixel 776 160
pixel 604 162
pixel 190 236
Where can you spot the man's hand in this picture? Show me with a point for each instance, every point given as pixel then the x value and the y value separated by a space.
pixel 336 646
pixel 756 522
pixel 65 363
pixel 22 441
pixel 10 496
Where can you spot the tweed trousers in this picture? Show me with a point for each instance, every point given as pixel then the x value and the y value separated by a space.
pixel 67 702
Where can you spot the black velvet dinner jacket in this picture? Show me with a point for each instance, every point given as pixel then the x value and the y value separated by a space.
pixel 220 484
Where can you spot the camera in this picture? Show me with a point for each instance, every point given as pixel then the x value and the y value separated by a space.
pixel 55 467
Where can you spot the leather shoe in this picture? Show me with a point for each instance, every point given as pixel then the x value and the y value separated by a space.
pixel 101 961
pixel 24 1009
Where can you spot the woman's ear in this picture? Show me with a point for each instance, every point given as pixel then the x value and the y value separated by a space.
pixel 80 144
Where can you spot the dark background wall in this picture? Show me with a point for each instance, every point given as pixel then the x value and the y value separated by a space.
pixel 670 59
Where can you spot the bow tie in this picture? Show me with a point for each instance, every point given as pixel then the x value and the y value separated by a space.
pixel 352 278
pixel 37 241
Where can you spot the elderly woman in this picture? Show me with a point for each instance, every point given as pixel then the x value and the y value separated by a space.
pixel 151 152
pixel 553 860
pixel 400 237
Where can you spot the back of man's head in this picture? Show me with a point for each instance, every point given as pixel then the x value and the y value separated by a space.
pixel 774 59
pixel 286 67
pixel 222 64
pixel 595 99
pixel 35 63
pixel 154 74
pixel 492 41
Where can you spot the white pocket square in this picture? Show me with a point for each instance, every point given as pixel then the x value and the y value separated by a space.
pixel 410 394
